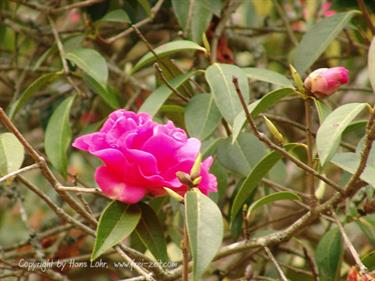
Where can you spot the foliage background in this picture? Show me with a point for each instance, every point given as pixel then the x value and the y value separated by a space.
pixel 52 51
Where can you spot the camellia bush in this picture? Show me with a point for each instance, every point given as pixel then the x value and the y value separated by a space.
pixel 167 140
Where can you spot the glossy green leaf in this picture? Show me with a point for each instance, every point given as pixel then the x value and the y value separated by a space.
pixel 146 6
pixel 167 50
pixel 318 38
pixel 118 15
pixel 242 155
pixel 58 136
pixel 157 98
pixel 12 153
pixel 117 222
pixel 219 77
pixel 329 134
pixel 91 62
pixel 328 255
pixel 323 110
pixel 103 91
pixel 150 232
pixel 349 161
pixel 371 63
pixel 258 107
pixel 257 173
pixel 267 75
pixel 369 260
pixel 200 19
pixel 202 116
pixel 31 89
pixel 268 199
pixel 205 230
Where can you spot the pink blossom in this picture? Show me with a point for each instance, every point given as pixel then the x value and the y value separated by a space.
pixel 326 9
pixel 141 157
pixel 325 81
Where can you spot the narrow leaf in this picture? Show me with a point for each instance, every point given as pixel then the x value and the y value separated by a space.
pixel 117 222
pixel 12 153
pixel 202 116
pixel 267 75
pixel 316 40
pixel 255 176
pixel 323 110
pixel 219 77
pixel 154 102
pixel 205 230
pixel 118 15
pixel 166 50
pixel 329 134
pixel 150 232
pixel 282 195
pixel 32 89
pixel 242 155
pixel 58 136
pixel 258 107
pixel 328 255
pixel 103 91
pixel 91 62
pixel 349 161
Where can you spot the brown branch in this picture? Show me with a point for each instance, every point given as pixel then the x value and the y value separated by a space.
pixel 274 261
pixel 366 15
pixel 154 11
pixel 276 147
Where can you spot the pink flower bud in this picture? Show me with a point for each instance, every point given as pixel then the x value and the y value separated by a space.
pixel 325 81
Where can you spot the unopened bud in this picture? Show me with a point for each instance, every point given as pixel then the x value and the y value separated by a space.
pixel 274 131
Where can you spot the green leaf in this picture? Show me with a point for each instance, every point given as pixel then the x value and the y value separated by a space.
pixel 267 75
pixel 118 15
pixel 329 134
pixel 146 6
pixel 31 89
pixel 242 155
pixel 369 260
pixel 12 154
pixel 150 232
pixel 328 255
pixel 91 62
pixel 167 50
pixel 349 161
pixel 205 230
pixel 323 110
pixel 316 40
pixel 258 107
pixel 153 103
pixel 371 63
pixel 219 77
pixel 202 116
pixel 117 222
pixel 367 225
pixel 257 173
pixel 201 16
pixel 277 196
pixel 103 91
pixel 58 136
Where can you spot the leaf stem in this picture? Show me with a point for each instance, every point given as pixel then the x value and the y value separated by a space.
pixel 310 180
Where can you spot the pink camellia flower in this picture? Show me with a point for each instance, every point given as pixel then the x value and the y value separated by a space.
pixel 325 81
pixel 141 157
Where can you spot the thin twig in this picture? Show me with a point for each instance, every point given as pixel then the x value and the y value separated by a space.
pixel 349 245
pixel 277 148
pixel 310 183
pixel 278 267
pixel 20 171
pixel 154 11
pixel 166 82
pixel 283 16
pixel 366 15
